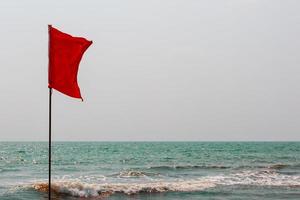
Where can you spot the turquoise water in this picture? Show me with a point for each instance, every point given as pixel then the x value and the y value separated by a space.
pixel 151 170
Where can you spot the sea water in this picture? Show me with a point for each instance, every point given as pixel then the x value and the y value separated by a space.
pixel 151 170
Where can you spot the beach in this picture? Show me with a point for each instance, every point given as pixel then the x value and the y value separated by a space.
pixel 151 170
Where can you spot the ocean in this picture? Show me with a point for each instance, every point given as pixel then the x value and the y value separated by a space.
pixel 151 170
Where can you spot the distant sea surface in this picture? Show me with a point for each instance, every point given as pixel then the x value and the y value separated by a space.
pixel 151 170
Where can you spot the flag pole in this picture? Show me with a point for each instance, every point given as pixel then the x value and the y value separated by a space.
pixel 49 178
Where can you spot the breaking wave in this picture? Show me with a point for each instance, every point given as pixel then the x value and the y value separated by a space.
pixel 79 188
pixel 257 178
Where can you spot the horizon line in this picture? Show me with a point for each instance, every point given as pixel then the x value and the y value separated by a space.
pixel 152 141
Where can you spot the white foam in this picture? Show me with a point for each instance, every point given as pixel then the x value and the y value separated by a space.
pixel 256 178
pixel 80 188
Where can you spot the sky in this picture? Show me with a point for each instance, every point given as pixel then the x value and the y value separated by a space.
pixel 171 70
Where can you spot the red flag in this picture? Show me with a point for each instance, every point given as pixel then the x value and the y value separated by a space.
pixel 65 53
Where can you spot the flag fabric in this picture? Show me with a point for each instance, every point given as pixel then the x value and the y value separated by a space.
pixel 65 53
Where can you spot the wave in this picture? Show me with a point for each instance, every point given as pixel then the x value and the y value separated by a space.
pixel 9 170
pixel 274 166
pixel 132 173
pixel 77 188
pixel 81 189
pixel 278 166
pixel 258 178
pixel 166 167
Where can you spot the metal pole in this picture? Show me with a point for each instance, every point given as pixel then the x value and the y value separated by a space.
pixel 49 183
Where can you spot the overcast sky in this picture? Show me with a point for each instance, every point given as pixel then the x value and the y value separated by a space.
pixel 157 70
